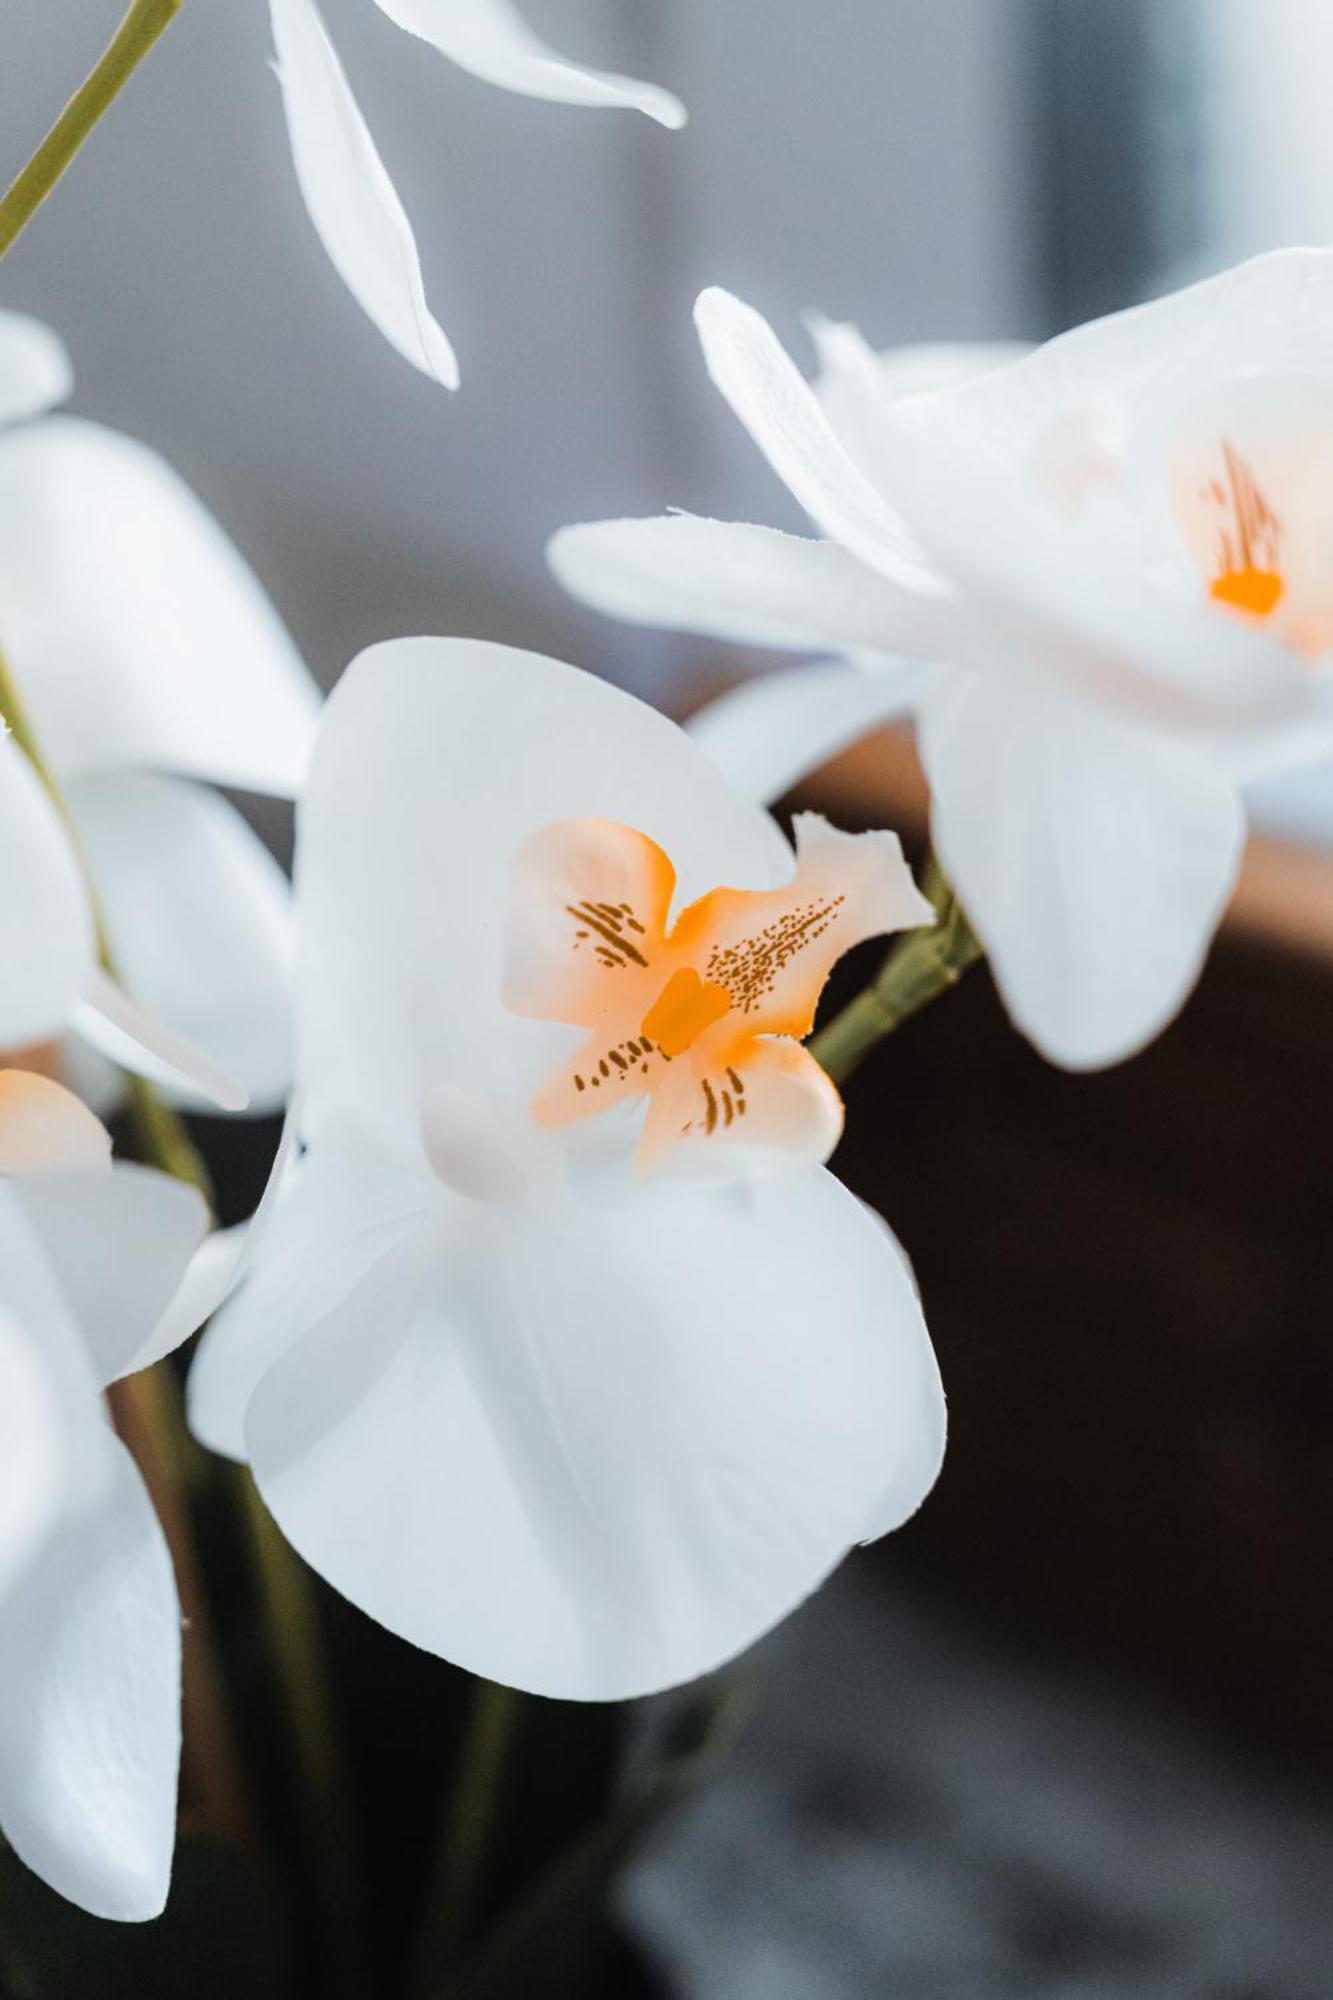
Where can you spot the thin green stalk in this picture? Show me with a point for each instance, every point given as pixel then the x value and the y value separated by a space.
pixel 469 1829
pixel 920 967
pixel 136 35
pixel 292 1617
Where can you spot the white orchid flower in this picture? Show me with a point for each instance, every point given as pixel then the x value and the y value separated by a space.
pixel 1099 575
pixel 148 658
pixel 348 194
pixel 580 1397
pixel 89 1620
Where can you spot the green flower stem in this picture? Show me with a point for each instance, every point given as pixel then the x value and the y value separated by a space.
pixel 132 41
pixel 292 1618
pixel 469 1830
pixel 920 967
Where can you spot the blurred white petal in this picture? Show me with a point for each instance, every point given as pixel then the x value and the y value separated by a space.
pixel 106 1017
pixel 772 730
pixel 45 923
pixel 490 39
pixel 35 368
pixel 351 201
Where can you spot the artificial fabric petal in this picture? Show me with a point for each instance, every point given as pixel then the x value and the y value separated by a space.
pixel 771 731
pixel 491 40
pixel 779 409
pixel 350 199
pixel 138 634
pixel 35 368
pixel 1093 858
pixel 105 1016
pixel 598 1452
pixel 46 928
pixel 735 581
pixel 201 916
pixel 405 840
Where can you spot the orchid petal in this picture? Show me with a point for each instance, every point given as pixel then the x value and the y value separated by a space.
pixel 201 916
pixel 594 1453
pixel 90 1702
pixel 109 1019
pixel 725 1114
pixel 780 411
pixel 1094 860
pixel 35 368
pixel 351 201
pixel 32 1450
pixel 138 634
pixel 46 929
pixel 45 1128
pixel 406 833
pixel 768 733
pixel 735 581
pixel 120 1242
pixel 490 39
pixel 324 1223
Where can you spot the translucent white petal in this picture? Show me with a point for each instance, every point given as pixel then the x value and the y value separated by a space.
pixel 1093 858
pixel 136 631
pixel 120 1242
pixel 32 1450
pixel 329 1220
pixel 201 917
pixel 734 581
pixel 90 1702
pixel 35 368
pixel 46 1128
pixel 596 1452
pixel 106 1017
pixel 780 411
pixel 768 733
pixel 490 39
pixel 46 931
pixel 353 204
pixel 437 758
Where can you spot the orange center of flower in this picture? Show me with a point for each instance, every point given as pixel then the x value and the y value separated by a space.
pixel 1249 540
pixel 683 1009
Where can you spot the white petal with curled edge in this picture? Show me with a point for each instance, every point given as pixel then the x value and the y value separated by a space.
pixel 90 1701
pixel 121 1242
pixel 202 919
pixel 46 929
pixel 32 1449
pixel 45 1128
pixel 779 409
pixel 436 759
pixel 35 368
pixel 109 1019
pixel 735 581
pixel 592 1452
pixel 490 39
pixel 768 733
pixel 1094 860
pixel 136 630
pixel 350 199
pixel 330 1219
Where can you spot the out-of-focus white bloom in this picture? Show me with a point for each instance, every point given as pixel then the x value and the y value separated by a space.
pixel 1100 575
pixel 89 1620
pixel 350 198
pixel 148 658
pixel 584 1424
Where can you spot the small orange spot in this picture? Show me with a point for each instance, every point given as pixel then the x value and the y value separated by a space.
pixel 1257 591
pixel 683 1009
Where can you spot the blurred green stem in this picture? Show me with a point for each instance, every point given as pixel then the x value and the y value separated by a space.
pixel 920 967
pixel 469 1830
pixel 131 42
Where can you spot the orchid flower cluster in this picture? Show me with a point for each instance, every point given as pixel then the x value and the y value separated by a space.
pixel 554 1344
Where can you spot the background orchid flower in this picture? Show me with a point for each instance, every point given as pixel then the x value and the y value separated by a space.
pixel 1065 547
pixel 89 1622
pixel 350 198
pixel 148 658
pixel 584 1427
